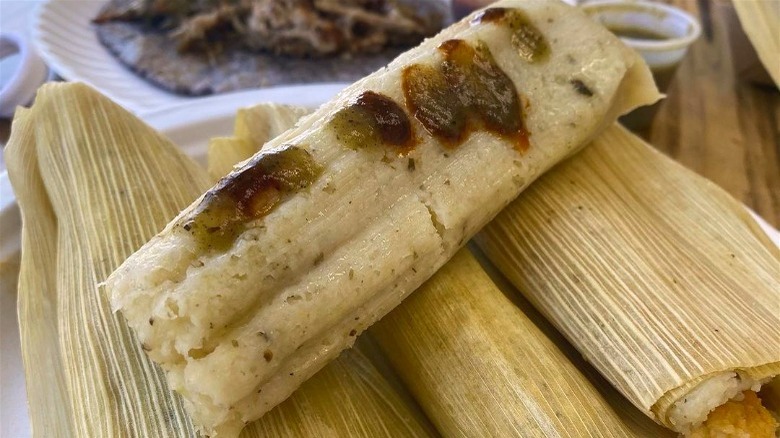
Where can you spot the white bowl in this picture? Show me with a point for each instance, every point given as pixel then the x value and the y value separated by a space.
pixel 679 28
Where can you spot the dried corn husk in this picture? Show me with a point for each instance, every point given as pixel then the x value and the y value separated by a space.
pixel 110 183
pixel 253 127
pixel 225 152
pixel 659 278
pixel 347 398
pixel 480 367
pixel 760 20
pixel 37 296
pixel 263 122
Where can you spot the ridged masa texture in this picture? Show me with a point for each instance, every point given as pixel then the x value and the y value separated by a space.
pixel 356 384
pixel 657 276
pixel 298 284
pixel 93 183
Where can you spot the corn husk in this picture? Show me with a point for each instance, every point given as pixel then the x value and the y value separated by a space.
pixel 253 127
pixel 659 278
pixel 263 122
pixel 348 398
pixel 225 152
pixel 760 20
pixel 94 155
pixel 37 298
pixel 481 367
pixel 110 183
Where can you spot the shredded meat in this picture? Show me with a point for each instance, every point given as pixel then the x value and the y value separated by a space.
pixel 300 28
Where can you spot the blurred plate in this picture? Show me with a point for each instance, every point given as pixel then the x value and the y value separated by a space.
pixel 62 32
pixel 190 125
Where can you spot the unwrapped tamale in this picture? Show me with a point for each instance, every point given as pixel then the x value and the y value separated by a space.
pixel 277 268
pixel 79 163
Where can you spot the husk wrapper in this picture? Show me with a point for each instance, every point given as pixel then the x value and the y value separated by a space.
pixel 658 277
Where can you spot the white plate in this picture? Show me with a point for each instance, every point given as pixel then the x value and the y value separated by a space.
pixel 189 125
pixel 64 36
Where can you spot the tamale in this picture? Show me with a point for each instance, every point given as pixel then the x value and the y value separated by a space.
pixel 658 277
pixel 336 221
pixel 349 387
pixel 481 367
pixel 440 368
pixel 109 183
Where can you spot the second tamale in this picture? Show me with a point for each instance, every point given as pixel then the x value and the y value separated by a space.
pixel 658 277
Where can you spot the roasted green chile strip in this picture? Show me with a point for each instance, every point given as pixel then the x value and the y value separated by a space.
pixel 249 194
pixel 484 89
pixel 373 120
pixel 466 92
pixel 526 38
pixel 433 103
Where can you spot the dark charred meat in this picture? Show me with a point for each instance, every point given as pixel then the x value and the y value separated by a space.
pixel 298 28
